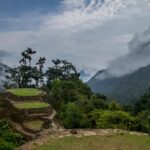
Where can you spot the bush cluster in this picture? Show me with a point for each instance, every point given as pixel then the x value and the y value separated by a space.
pixel 115 119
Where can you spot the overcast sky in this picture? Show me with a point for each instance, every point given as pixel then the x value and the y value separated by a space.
pixel 90 33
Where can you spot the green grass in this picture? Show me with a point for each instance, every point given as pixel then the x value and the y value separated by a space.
pixel 25 91
pixel 31 105
pixel 36 125
pixel 116 142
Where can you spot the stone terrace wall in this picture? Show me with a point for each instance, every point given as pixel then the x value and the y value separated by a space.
pixel 12 112
pixel 20 115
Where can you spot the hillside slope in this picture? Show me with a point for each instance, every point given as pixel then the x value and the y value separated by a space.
pixel 126 89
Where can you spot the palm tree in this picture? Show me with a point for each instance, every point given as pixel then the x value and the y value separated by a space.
pixel 27 70
pixel 41 62
pixel 29 52
pixel 23 60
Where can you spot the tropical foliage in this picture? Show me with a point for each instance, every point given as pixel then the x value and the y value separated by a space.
pixel 8 139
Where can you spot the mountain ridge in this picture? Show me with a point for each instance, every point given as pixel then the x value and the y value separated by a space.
pixel 125 89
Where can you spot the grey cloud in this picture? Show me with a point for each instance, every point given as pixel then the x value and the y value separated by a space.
pixel 138 56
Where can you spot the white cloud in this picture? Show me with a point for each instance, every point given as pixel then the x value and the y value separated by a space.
pixel 71 4
pixel 92 34
pixel 80 14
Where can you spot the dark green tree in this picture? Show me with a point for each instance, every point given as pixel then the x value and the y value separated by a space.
pixel 62 70
pixel 143 104
pixel 73 117
pixel 23 75
pixel 14 75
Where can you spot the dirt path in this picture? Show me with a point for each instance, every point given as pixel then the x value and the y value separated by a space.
pixel 52 133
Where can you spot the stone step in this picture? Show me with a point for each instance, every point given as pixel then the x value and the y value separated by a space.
pixel 38 115
pixel 50 117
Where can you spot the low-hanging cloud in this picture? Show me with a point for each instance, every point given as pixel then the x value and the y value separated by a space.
pixel 138 56
pixel 3 54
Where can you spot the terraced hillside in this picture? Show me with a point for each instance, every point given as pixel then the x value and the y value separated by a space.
pixel 28 111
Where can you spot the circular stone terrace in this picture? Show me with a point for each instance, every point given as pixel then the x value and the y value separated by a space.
pixel 29 112
pixel 25 94
pixel 30 105
pixel 27 98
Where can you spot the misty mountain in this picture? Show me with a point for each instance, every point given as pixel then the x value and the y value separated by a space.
pixel 125 89
pixel 87 73
pixel 137 56
pixel 2 75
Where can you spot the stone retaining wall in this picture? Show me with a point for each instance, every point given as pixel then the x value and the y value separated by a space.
pixel 20 115
pixel 36 110
pixel 12 112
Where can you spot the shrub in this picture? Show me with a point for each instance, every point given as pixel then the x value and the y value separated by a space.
pixel 114 119
pixel 74 117
pixel 4 145
pixel 144 118
pixel 114 106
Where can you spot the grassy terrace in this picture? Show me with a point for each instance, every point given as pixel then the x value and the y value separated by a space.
pixel 31 105
pixel 116 142
pixel 36 125
pixel 25 91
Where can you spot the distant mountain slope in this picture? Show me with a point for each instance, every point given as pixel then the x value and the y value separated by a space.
pixel 125 89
